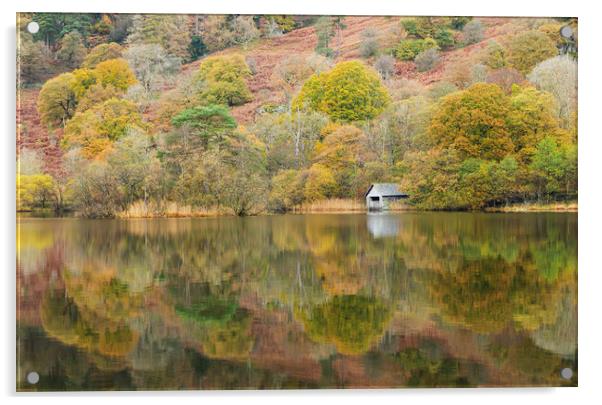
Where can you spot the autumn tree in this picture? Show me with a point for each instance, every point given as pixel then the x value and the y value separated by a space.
pixel 101 53
pixel 216 32
pixel 320 183
pixel 34 190
pixel 533 116
pixel 474 122
pixel 116 73
pixel 57 100
pixel 245 31
pixel 168 30
pixel 225 80
pixel 286 190
pixel 506 78
pixel 72 51
pixel 349 92
pixel 554 167
pixel 151 65
pixel 290 73
pixel 95 129
pixel 558 76
pixel 527 49
pixel 33 59
pixel 494 55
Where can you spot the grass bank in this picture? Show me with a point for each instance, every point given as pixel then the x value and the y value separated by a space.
pixel 569 206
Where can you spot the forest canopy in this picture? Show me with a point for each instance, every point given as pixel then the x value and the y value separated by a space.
pixel 128 115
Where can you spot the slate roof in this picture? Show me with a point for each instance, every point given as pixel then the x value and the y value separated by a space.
pixel 386 189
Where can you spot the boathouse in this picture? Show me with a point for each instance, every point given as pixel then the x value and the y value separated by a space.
pixel 380 195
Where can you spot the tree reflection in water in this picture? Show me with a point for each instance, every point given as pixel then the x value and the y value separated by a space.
pixel 415 299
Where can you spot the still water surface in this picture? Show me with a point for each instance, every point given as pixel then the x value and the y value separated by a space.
pixel 298 301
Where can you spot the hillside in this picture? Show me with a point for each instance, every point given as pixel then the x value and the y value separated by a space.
pixel 266 53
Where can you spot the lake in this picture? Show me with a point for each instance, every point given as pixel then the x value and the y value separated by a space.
pixel 298 301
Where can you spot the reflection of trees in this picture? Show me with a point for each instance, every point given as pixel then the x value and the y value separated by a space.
pixel 214 318
pixel 535 366
pixel 489 294
pixel 201 295
pixel 424 370
pixel 64 320
pixel 351 322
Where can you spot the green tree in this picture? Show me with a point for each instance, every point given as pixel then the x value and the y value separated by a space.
pixel 349 92
pixel 212 124
pixel 554 168
pixel 53 26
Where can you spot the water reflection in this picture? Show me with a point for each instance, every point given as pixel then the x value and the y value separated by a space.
pixel 390 300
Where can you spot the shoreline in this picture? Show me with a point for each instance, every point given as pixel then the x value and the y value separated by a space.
pixel 519 208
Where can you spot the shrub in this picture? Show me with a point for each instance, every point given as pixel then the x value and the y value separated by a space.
pixel 419 27
pixel 385 65
pixel 458 23
pixel 505 78
pixel 408 49
pixel 472 32
pixel 527 49
pixel 369 45
pixel 427 60
pixel 445 38
pixel 349 92
pixel 441 89
pixel 404 88
pixel 478 73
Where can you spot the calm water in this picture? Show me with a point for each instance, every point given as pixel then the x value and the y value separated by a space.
pixel 298 301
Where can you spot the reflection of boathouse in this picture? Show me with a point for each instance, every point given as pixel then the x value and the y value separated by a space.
pixel 383 225
pixel 380 196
